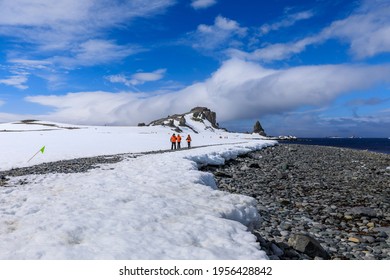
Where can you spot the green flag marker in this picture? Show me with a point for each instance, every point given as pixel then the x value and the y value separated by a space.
pixel 41 150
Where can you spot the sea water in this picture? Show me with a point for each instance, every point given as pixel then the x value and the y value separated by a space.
pixel 379 145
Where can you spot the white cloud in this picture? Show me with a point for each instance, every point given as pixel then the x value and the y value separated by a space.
pixel 142 77
pixel 31 63
pixel 286 22
pixel 71 32
pixel 19 81
pixel 367 31
pixel 238 90
pixel 120 78
pixel 138 78
pixel 275 52
pixel 101 105
pixel 42 69
pixel 222 32
pixel 42 21
pixel 95 52
pixel 202 4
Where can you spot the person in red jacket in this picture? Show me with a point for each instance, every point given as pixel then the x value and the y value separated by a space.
pixel 188 141
pixel 178 139
pixel 173 141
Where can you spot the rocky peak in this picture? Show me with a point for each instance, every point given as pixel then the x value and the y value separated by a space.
pixel 197 114
pixel 205 113
pixel 257 128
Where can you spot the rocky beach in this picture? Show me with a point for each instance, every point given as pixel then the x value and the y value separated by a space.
pixel 316 202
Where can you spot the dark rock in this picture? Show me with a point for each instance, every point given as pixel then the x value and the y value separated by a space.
pixel 142 124
pixel 285 202
pixel 291 254
pixel 182 121
pixel 363 211
pixel 281 175
pixel 205 113
pixel 257 128
pixel 3 180
pixel 308 245
pixel 254 165
pixel 222 174
pixel 276 250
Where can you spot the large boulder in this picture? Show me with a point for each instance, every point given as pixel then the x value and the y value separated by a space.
pixel 306 244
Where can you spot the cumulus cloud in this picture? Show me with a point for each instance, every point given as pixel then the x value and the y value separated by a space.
pixel 285 22
pixel 237 90
pixel 202 4
pixel 222 32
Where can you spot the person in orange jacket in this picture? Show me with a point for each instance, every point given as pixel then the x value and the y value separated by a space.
pixel 188 141
pixel 173 141
pixel 178 139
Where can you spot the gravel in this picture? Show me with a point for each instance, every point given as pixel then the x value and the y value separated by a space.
pixel 340 197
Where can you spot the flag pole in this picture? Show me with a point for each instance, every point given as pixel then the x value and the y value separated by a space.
pixel 41 150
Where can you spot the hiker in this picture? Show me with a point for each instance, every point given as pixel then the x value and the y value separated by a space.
pixel 178 138
pixel 173 141
pixel 188 141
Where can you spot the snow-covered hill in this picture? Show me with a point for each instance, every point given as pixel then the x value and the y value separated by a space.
pixel 21 140
pixel 157 206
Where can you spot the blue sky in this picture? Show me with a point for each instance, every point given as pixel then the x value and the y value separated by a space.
pixel 307 68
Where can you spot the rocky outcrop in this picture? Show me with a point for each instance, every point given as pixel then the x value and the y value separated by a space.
pixel 179 120
pixel 203 113
pixel 257 128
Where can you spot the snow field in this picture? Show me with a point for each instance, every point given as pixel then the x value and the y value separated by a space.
pixel 156 206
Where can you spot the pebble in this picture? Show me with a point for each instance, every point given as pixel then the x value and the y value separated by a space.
pixel 332 194
pixel 79 165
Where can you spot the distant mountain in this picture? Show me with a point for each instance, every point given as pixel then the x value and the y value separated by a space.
pixel 198 119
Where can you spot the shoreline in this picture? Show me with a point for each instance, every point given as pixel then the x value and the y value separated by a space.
pixel 375 145
pixel 338 196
